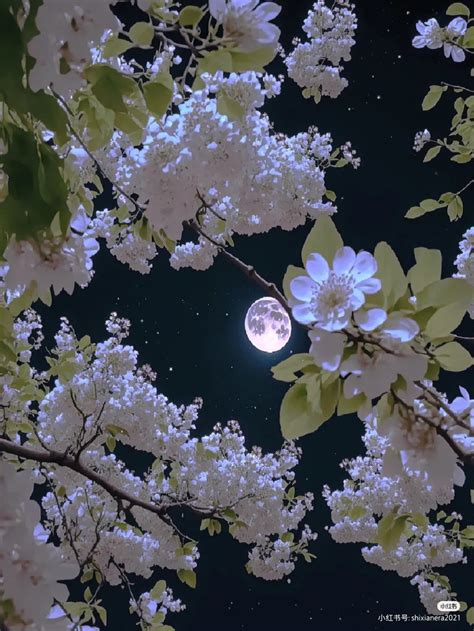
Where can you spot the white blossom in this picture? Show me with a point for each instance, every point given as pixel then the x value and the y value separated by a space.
pixel 328 297
pixel 316 65
pixel 465 262
pixel 421 139
pixel 246 22
pixel 433 36
pixel 62 48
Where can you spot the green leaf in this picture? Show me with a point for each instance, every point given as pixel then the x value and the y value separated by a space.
pixel 414 212
pixel 443 292
pixel 389 530
pixel 285 370
pixel 230 107
pixel 158 94
pixel 427 269
pixel 462 158
pixel 116 46
pixel 296 415
pixel 188 577
pixel 142 33
pixel 314 392
pixel 214 61
pixel 470 615
pixel 433 96
pixel 111 443
pixel 256 60
pixel 45 108
pixel 432 153
pixel 468 38
pixel 349 406
pixel 453 357
pixel 455 208
pixel 428 205
pixel 445 320
pixel 458 8
pixel 102 614
pixel 29 209
pixel 390 272
pixel 324 239
pixel 158 590
pixel 190 15
pixel 110 86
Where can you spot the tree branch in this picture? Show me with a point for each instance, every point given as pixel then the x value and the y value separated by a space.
pixel 70 462
pixel 249 271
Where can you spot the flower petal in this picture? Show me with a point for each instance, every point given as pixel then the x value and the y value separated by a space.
pixel 457 26
pixel 457 54
pixel 302 288
pixel 365 266
pixel 217 9
pixel 370 285
pixel 419 41
pixel 403 329
pixel 344 260
pixel 357 299
pixel 317 267
pixel 371 319
pixel 327 348
pixel 303 313
pixel 267 11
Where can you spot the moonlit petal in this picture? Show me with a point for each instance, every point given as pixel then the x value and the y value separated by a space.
pixel 457 26
pixel 447 49
pixel 327 349
pixel 365 266
pixel 464 393
pixel 457 54
pixel 317 267
pixel 343 260
pixel 337 323
pixel 412 367
pixel 420 27
pixel 351 387
pixel 370 285
pixel 357 299
pixel 403 329
pixel 459 476
pixel 269 34
pixel 267 11
pixel 303 314
pixel 352 364
pixel 419 41
pixel 302 288
pixel 392 464
pixel 217 8
pixel 371 319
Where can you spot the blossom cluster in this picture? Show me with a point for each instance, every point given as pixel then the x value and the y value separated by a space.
pixel 30 568
pixel 246 22
pixel 55 262
pixel 188 162
pixel 421 139
pixel 62 48
pixel 465 261
pixel 373 493
pixel 99 397
pixel 316 65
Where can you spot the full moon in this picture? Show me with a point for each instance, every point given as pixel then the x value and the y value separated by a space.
pixel 268 326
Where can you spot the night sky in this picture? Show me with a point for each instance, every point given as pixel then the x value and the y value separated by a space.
pixel 189 326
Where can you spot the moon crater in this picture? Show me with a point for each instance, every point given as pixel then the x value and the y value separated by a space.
pixel 268 325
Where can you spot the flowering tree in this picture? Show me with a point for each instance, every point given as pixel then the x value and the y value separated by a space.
pixel 168 113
